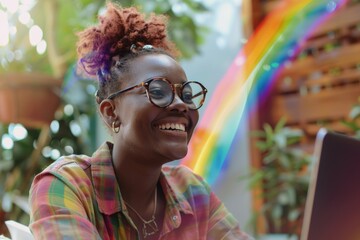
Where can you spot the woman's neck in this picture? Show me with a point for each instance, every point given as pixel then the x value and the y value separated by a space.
pixel 137 181
pixel 139 187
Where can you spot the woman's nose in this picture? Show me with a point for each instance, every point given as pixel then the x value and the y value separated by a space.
pixel 178 103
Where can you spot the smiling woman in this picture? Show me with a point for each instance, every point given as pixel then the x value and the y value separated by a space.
pixel 124 191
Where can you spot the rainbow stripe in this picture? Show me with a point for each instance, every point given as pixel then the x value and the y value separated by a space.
pixel 251 74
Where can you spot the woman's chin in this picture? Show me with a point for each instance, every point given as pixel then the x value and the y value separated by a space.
pixel 178 153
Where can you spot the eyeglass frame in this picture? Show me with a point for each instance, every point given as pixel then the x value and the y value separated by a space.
pixel 147 82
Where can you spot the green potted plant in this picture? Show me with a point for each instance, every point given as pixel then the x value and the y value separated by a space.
pixel 353 122
pixel 283 178
pixel 39 46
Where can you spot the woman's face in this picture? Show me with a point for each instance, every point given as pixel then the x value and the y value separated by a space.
pixel 144 127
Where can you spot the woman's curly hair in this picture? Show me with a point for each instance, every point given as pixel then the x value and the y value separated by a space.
pixel 103 46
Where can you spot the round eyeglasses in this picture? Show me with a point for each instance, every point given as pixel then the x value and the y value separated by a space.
pixel 161 92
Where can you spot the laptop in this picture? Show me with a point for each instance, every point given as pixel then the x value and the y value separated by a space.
pixel 332 210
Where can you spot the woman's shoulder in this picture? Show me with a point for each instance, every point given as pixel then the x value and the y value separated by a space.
pixel 72 168
pixel 80 161
pixel 67 171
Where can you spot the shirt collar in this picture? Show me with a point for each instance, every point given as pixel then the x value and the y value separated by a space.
pixel 107 191
pixel 173 194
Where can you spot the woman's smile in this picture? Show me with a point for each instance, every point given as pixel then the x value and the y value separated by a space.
pixel 174 126
pixel 173 129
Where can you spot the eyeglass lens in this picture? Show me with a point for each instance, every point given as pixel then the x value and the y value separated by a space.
pixel 162 95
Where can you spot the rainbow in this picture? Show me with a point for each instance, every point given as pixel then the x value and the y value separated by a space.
pixel 251 74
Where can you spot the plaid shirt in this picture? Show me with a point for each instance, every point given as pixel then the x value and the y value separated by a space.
pixel 77 197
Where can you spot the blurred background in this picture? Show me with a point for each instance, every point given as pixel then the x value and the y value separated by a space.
pixel 310 69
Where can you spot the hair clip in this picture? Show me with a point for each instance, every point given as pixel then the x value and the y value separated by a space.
pixel 147 47
pixel 133 48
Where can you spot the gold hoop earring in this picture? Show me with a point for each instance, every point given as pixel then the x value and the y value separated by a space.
pixel 115 129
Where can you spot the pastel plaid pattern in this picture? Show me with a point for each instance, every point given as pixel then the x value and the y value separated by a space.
pixel 77 197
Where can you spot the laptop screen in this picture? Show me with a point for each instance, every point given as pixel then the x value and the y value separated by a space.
pixel 332 209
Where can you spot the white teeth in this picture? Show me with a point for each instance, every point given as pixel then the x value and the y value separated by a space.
pixel 172 126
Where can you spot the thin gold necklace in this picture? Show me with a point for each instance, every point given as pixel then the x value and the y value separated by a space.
pixel 150 227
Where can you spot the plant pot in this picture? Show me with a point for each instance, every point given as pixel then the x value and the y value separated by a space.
pixel 29 98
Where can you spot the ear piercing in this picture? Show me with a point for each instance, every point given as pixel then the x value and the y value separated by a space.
pixel 115 129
